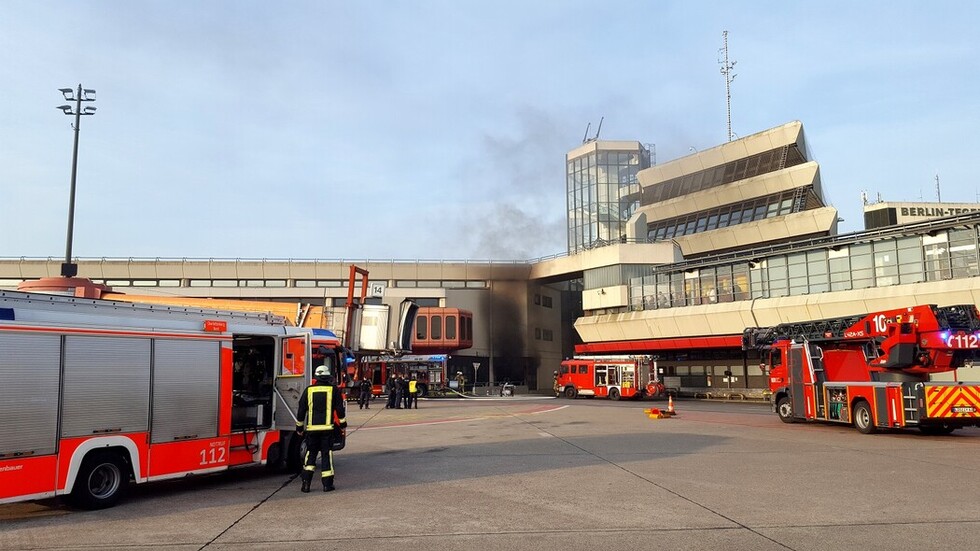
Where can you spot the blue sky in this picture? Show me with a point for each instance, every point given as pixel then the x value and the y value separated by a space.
pixel 437 129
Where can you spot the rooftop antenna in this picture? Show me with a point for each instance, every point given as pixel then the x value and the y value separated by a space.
pixel 939 198
pixel 597 130
pixel 864 197
pixel 585 138
pixel 726 69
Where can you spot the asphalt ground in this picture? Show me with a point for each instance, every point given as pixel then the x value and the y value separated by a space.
pixel 549 474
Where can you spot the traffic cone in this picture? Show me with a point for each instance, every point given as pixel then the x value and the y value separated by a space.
pixel 670 406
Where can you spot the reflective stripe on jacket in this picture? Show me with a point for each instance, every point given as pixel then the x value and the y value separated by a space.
pixel 319 408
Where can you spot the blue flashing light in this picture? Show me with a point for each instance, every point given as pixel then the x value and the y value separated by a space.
pixel 944 336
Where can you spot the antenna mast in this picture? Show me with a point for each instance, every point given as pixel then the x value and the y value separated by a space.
pixel 726 69
pixel 939 198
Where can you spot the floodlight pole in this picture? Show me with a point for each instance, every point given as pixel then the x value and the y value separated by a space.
pixel 69 269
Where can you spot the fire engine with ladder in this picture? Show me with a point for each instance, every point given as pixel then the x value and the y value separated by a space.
pixel 612 377
pixel 873 370
pixel 97 393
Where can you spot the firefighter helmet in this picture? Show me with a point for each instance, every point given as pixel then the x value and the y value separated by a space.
pixel 322 372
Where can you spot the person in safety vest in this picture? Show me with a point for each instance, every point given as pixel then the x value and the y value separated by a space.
pixel 321 409
pixel 412 396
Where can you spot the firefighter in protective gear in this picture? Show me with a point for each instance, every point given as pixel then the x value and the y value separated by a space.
pixel 321 410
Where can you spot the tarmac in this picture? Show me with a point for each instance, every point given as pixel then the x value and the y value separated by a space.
pixel 538 473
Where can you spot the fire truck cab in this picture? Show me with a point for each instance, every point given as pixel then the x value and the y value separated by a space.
pixel 97 393
pixel 612 377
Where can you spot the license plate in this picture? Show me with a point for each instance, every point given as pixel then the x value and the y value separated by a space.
pixel 963 409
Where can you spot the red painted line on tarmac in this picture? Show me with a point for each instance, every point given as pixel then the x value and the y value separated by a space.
pixel 532 411
pixel 418 424
pixel 543 409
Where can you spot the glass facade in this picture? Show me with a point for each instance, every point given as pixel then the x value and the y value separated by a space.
pixel 602 194
pixel 748 167
pixel 898 259
pixel 759 208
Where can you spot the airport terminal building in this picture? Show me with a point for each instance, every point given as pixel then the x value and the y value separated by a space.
pixel 672 260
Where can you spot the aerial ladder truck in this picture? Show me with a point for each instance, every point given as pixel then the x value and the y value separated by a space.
pixel 874 370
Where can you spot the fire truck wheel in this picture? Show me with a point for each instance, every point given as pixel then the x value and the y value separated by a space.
pixel 274 460
pixel 784 409
pixel 863 420
pixel 614 394
pixel 102 481
pixel 570 392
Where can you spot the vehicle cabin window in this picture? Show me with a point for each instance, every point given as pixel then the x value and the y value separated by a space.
pixel 421 327
pixel 600 375
pixel 613 375
pixel 776 358
pixel 564 370
pixel 436 327
pixel 583 369
pixel 293 357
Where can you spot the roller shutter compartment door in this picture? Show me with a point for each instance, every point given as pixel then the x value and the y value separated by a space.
pixel 30 368
pixel 185 389
pixel 107 385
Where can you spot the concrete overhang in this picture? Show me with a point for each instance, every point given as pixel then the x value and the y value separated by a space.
pixel 822 221
pixel 759 142
pixel 610 255
pixel 130 268
pixel 733 317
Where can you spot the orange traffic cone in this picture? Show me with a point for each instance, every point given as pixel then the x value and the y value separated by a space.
pixel 670 406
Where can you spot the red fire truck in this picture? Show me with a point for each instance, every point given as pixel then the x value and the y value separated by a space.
pixel 612 377
pixel 97 393
pixel 873 370
pixel 428 369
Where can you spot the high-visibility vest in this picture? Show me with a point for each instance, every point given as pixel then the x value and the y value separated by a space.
pixel 320 408
pixel 412 385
